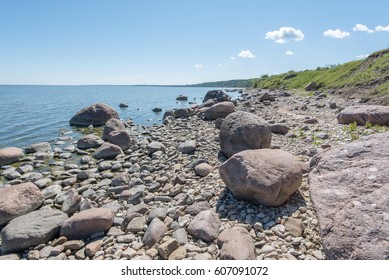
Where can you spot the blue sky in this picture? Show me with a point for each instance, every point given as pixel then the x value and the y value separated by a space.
pixel 181 42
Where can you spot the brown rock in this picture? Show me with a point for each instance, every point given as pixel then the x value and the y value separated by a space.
pixel 154 233
pixel 203 169
pixel 85 223
pixel 10 155
pixel 219 110
pixel 236 243
pixel 243 131
pixel 120 138
pixel 107 151
pixel 89 141
pixel 267 177
pixel 205 226
pixel 112 125
pixel 18 200
pixel 96 115
pixel 362 114
pixel 350 192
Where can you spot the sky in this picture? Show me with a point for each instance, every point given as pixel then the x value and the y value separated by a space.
pixel 77 42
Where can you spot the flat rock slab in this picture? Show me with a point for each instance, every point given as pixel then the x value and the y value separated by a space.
pixel 236 243
pixel 34 228
pixel 18 200
pixel 349 188
pixel 10 155
pixel 361 114
pixel 85 223
pixel 266 177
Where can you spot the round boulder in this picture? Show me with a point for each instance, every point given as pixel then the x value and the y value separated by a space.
pixel 89 141
pixel 10 155
pixel 107 151
pixel 216 95
pixel 112 125
pixel 219 110
pixel 120 138
pixel 96 115
pixel 243 131
pixel 266 177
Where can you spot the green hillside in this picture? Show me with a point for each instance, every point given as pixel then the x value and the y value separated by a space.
pixel 369 76
pixel 247 83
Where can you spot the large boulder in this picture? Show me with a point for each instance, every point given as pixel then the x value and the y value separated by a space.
pixel 38 227
pixel 85 223
pixel 154 233
pixel 236 243
pixel 266 177
pixel 107 151
pixel 219 110
pixel 18 200
pixel 10 155
pixel 349 188
pixel 112 125
pixel 216 95
pixel 89 141
pixel 96 115
pixel 243 131
pixel 183 112
pixel 120 138
pixel 361 114
pixel 205 226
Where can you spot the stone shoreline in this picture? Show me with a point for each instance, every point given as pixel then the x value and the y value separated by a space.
pixel 156 195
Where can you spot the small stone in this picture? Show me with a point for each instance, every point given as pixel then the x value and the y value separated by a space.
pixel 166 248
pixel 178 254
pixel 93 247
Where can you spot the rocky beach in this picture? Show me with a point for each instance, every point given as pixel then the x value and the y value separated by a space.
pixel 271 176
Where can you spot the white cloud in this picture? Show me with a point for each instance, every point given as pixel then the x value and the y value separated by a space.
pixel 382 28
pixel 246 54
pixel 289 53
pixel 362 56
pixel 284 35
pixel 337 34
pixel 199 66
pixel 362 27
pixel 220 65
pixel 232 57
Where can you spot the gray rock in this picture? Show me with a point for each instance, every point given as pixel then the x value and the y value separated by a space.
pixel 96 115
pixel 85 223
pixel 216 95
pixel 72 202
pixel 136 224
pixel 294 226
pixel 18 200
pixel 361 114
pixel 159 212
pixel 219 110
pixel 197 207
pixel 203 169
pixel 89 141
pixel 182 98
pixel 38 147
pixel 155 146
pixel 311 86
pixel 166 248
pixel 112 125
pixel 205 226
pixel 154 233
pixel 10 155
pixel 120 138
pixel 43 183
pixel 236 243
pixel 266 177
pixel 243 131
pixel 121 179
pixel 187 147
pixel 349 189
pixel 279 129
pixel 32 229
pixel 183 113
pixel 51 191
pixel 181 236
pixel 107 151
pixel 123 105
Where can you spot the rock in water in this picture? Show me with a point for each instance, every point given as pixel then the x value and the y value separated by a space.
pixel 236 243
pixel 10 155
pixel 267 177
pixel 19 200
pixel 350 191
pixel 32 229
pixel 362 114
pixel 89 141
pixel 85 223
pixel 205 226
pixel 107 151
pixel 243 131
pixel 219 110
pixel 182 98
pixel 112 125
pixel 96 115
pixel 38 147
pixel 216 95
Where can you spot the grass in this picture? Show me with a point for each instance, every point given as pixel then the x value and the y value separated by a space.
pixel 371 74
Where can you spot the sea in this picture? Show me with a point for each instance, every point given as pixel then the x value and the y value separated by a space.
pixel 31 113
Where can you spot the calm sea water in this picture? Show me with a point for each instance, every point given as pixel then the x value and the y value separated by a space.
pixel 31 114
